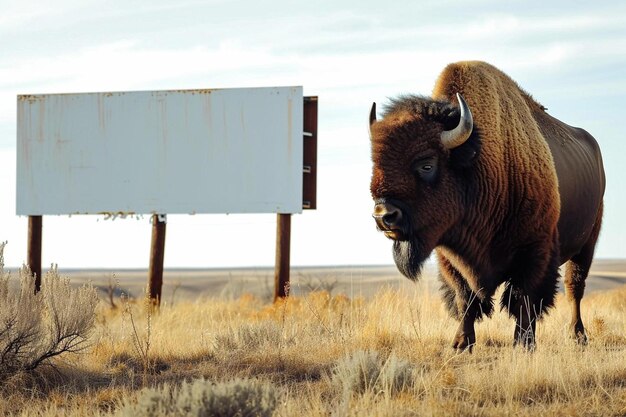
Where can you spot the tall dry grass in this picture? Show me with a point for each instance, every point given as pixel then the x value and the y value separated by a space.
pixel 332 355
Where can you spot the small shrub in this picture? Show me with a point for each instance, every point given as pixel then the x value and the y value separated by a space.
pixel 367 371
pixel 34 328
pixel 240 397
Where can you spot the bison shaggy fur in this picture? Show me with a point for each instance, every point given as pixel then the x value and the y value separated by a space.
pixel 518 198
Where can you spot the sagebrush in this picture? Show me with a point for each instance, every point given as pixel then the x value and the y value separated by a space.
pixel 369 371
pixel 36 327
pixel 201 397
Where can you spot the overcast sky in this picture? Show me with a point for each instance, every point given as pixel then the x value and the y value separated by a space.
pixel 569 55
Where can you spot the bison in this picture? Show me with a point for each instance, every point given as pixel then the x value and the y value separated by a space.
pixel 502 191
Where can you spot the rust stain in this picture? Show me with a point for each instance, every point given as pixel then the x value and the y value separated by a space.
pixel 164 138
pixel 196 91
pixel 42 119
pixel 31 98
pixel 112 215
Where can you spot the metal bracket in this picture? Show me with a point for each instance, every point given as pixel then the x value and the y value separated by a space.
pixel 161 218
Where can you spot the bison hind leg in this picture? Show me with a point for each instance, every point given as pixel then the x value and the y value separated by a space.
pixel 575 275
pixel 576 272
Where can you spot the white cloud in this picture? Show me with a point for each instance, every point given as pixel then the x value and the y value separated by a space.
pixel 126 63
pixel 507 25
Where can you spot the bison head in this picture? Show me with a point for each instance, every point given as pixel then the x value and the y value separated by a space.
pixel 422 151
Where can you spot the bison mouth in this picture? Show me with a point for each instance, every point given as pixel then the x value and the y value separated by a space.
pixel 396 235
pixel 392 231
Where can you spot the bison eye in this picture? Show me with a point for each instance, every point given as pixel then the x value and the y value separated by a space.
pixel 426 168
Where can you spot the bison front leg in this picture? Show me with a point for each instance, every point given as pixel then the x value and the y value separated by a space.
pixel 463 304
pixel 465 337
pixel 531 291
pixel 526 324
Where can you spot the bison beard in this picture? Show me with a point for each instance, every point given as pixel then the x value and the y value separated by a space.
pixel 409 258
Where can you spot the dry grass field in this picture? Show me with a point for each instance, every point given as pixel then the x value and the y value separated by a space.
pixel 325 353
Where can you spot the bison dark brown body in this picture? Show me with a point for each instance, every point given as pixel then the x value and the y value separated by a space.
pixel 502 191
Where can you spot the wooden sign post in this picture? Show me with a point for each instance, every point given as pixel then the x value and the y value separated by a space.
pixel 283 248
pixel 34 249
pixel 157 256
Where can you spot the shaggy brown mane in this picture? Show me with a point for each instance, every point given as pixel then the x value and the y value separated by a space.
pixel 438 110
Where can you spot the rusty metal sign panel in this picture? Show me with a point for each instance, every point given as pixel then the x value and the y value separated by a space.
pixel 190 151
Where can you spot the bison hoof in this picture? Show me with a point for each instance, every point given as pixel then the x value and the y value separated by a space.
pixel 581 339
pixel 578 333
pixel 464 342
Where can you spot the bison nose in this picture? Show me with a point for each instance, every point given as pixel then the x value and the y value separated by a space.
pixel 387 216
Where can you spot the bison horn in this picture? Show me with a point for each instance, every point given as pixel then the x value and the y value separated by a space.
pixel 373 114
pixel 456 137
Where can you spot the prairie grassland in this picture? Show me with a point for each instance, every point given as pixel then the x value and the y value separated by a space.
pixel 319 354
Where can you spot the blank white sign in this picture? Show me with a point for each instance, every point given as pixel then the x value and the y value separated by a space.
pixel 191 151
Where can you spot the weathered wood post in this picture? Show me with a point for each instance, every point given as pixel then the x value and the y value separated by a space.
pixel 157 255
pixel 34 249
pixel 283 246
